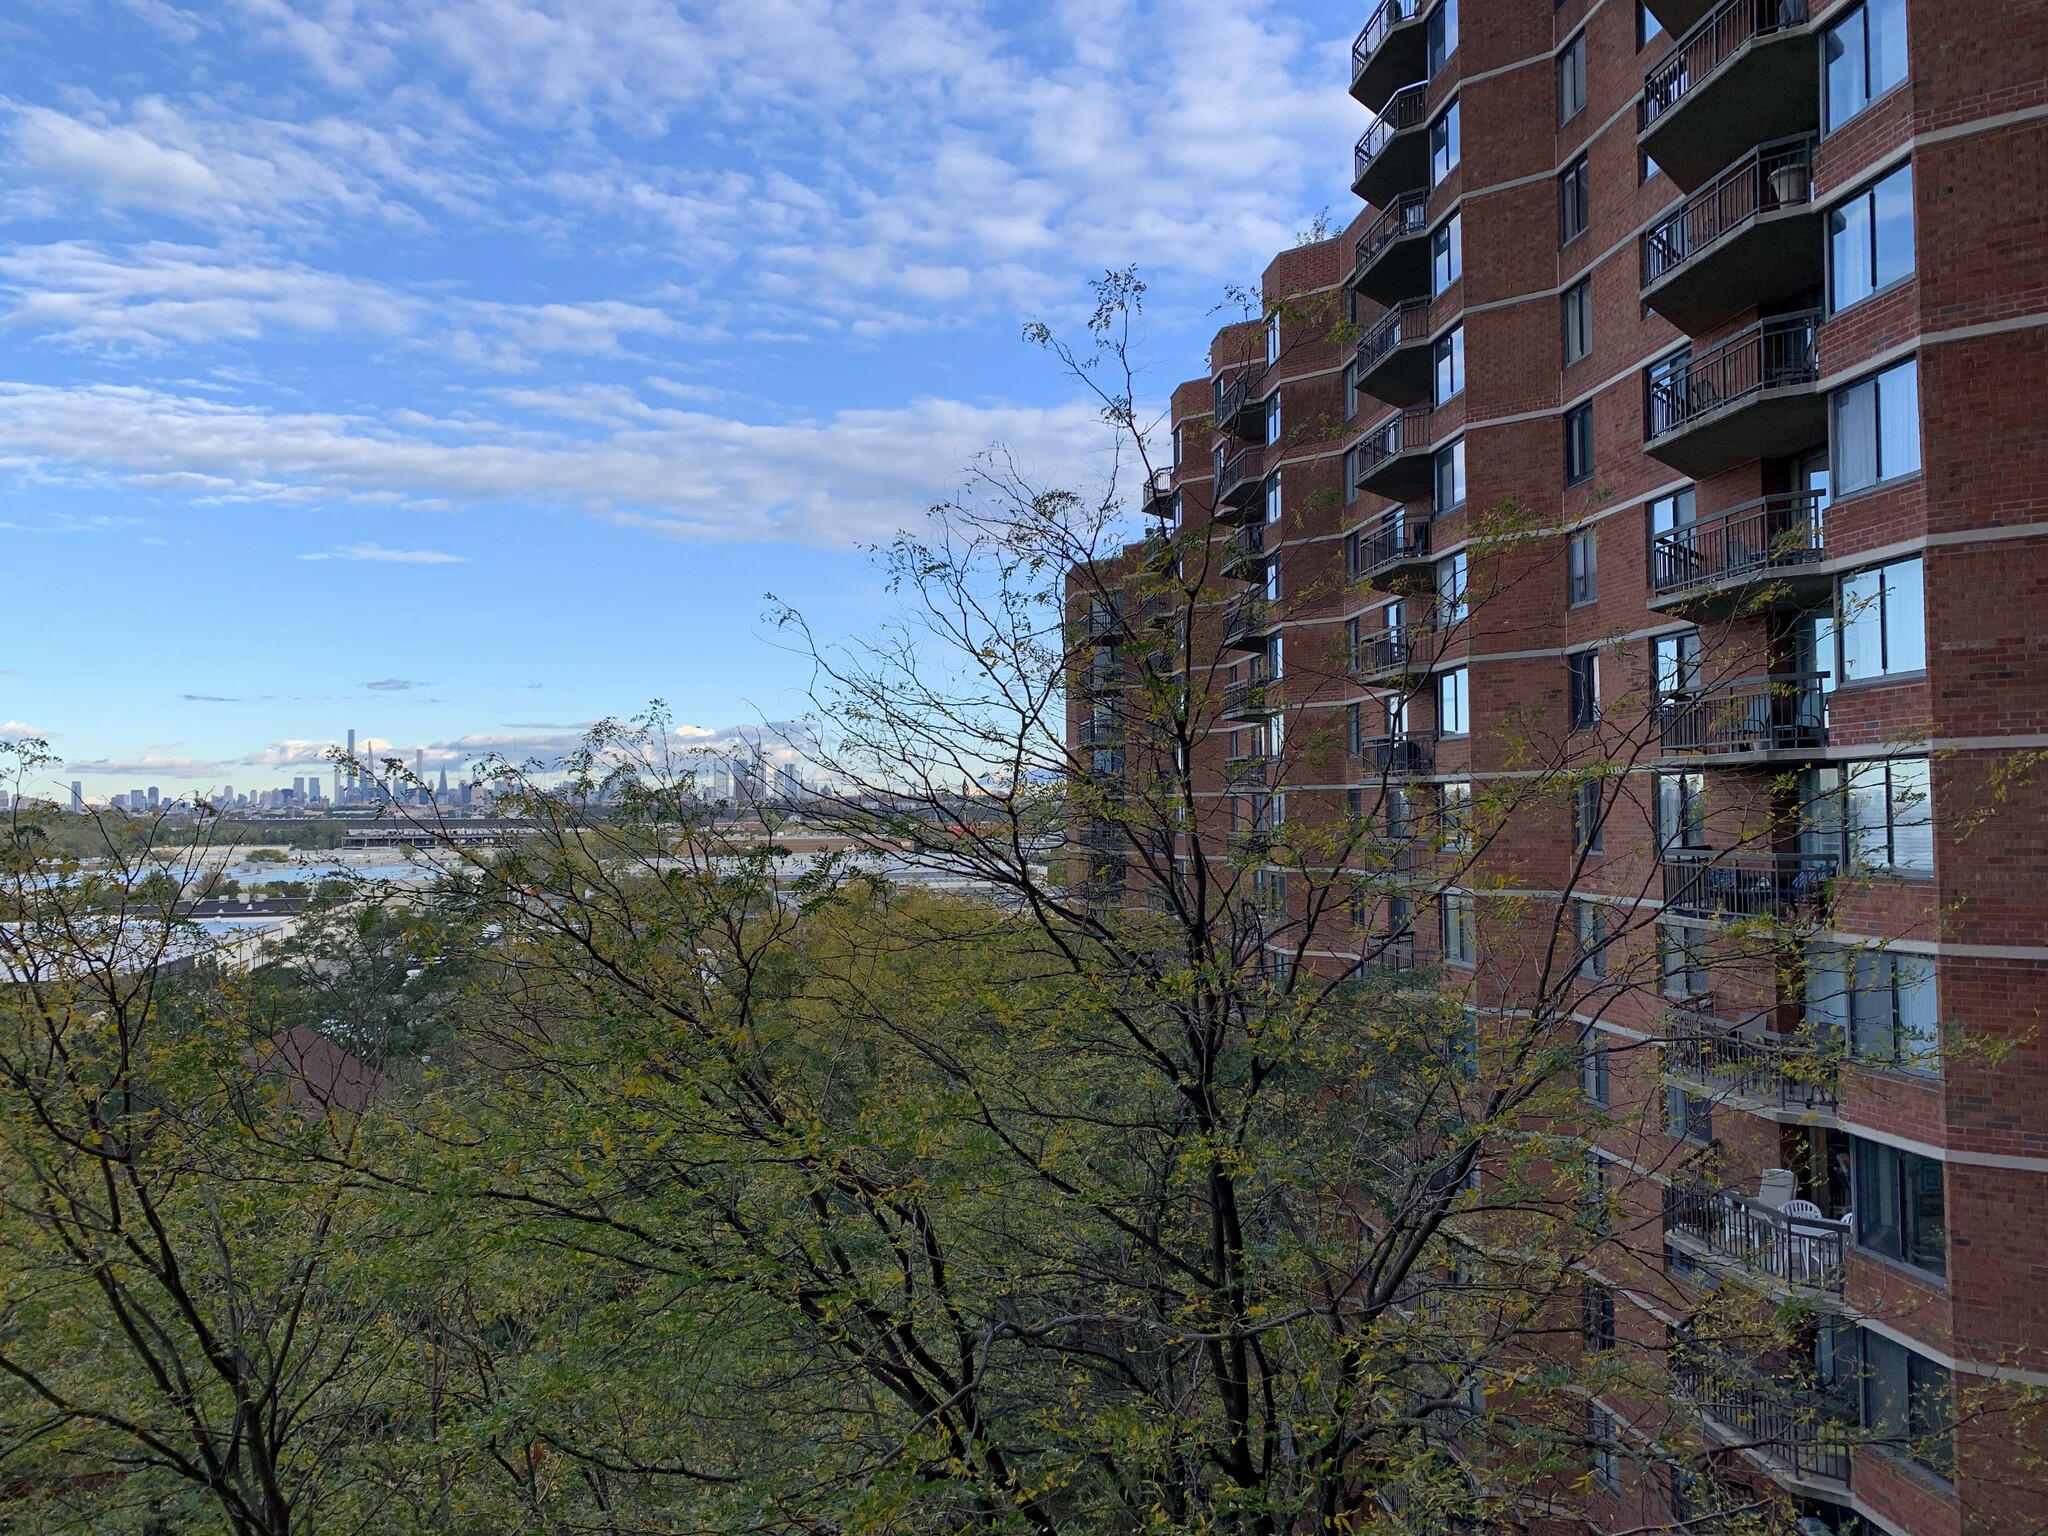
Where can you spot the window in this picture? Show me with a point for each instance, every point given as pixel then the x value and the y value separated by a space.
pixel 1443 145
pixel 1675 664
pixel 1865 55
pixel 1578 443
pixel 1446 254
pixel 1453 702
pixel 1906 1401
pixel 1665 395
pixel 1877 429
pixel 1870 239
pixel 1595 1081
pixel 1179 445
pixel 1598 1195
pixel 1272 340
pixel 1273 418
pixel 1582 560
pixel 1590 923
pixel 1578 321
pixel 1454 816
pixel 1688 1117
pixel 1881 621
pixel 1460 935
pixel 1896 1197
pixel 1448 356
pixel 1682 960
pixel 1583 670
pixel 1670 513
pixel 1571 79
pixel 1441 37
pixel 1647 26
pixel 1274 504
pixel 1604 1454
pixel 1450 476
pixel 1587 816
pixel 1645 167
pixel 1451 577
pixel 1890 820
pixel 1596 1318
pixel 1880 1003
pixel 1573 210
pixel 1682 810
pixel 1350 394
pixel 1350 476
pixel 1354 721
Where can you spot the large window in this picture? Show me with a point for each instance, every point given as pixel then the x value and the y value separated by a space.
pixel 1578 443
pixel 1688 1116
pixel 1273 418
pixel 1870 239
pixel 1578 320
pixel 1454 816
pixel 1876 815
pixel 1596 1078
pixel 1897 1199
pixel 1582 562
pixel 1446 254
pixel 1670 513
pixel 1574 210
pixel 1906 1401
pixel 1460 930
pixel 1589 919
pixel 1605 1448
pixel 1682 810
pixel 1879 1002
pixel 1583 668
pixel 1450 476
pixel 1571 79
pixel 1452 574
pixel 1877 429
pixel 1442 36
pixel 1865 54
pixel 1881 621
pixel 1454 702
pixel 1272 340
pixel 1448 356
pixel 1675 664
pixel 1682 960
pixel 1443 145
pixel 1588 815
pixel 1596 1315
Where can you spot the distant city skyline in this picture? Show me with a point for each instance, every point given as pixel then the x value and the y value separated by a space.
pixel 365 367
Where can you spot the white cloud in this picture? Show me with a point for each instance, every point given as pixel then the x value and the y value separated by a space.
pixel 377 553
pixel 851 477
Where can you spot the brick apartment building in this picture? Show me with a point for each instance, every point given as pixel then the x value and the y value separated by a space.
pixel 1669 427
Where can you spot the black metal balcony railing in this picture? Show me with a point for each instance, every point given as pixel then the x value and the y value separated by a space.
pixel 1239 407
pixel 1402 326
pixel 1396 540
pixel 1251 696
pixel 1159 496
pixel 1764 181
pixel 1098 677
pixel 1102 622
pixel 1783 887
pixel 1250 772
pixel 1403 111
pixel 1794 1425
pixel 1407 215
pixel 1099 731
pixel 1773 534
pixel 1794 1250
pixel 1398 756
pixel 1389 15
pixel 1246 547
pixel 1773 354
pixel 1779 713
pixel 1411 648
pixel 1789 1075
pixel 1246 617
pixel 1240 477
pixel 1404 432
pixel 1717 38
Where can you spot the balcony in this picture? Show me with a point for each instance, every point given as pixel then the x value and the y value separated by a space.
pixel 1396 458
pixel 1747 1235
pixel 1244 552
pixel 1393 357
pixel 1251 699
pixel 1251 772
pixel 1099 730
pixel 1781 718
pixel 1794 1427
pixel 1102 621
pixel 1246 622
pixel 1760 554
pixel 1392 953
pixel 1395 655
pixel 1391 48
pixel 1677 17
pixel 1789 1081
pixel 1390 262
pixel 1392 156
pixel 1100 676
pixel 1241 483
pixel 1158 503
pixel 1789 888
pixel 1751 397
pixel 1394 554
pixel 1748 239
pixel 1747 73
pixel 1240 402
pixel 1398 757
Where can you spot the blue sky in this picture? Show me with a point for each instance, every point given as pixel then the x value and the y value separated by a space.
pixel 464 370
